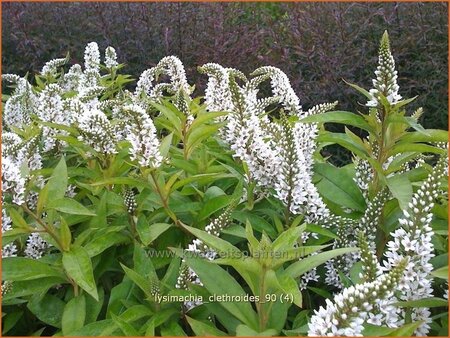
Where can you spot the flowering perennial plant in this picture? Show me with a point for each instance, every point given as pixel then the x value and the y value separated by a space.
pixel 147 209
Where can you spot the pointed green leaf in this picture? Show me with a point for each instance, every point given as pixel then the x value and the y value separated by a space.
pixel 78 266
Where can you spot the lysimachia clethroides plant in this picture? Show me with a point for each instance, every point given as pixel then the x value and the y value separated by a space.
pixel 139 209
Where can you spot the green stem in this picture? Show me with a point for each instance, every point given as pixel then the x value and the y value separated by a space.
pixel 262 314
pixel 48 229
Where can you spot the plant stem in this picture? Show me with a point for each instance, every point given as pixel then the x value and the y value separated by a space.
pixel 262 293
pixel 47 228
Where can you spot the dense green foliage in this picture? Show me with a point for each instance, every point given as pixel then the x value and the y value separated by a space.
pixel 145 197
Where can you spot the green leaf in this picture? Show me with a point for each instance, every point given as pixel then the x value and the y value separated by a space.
pixel 425 302
pixel 165 145
pixel 205 117
pixel 126 328
pixel 320 230
pixel 74 315
pixel 18 220
pixel 430 135
pixel 245 331
pixel 199 135
pixel 197 178
pixel 31 287
pixel 139 280
pixel 65 234
pixel 376 331
pixel 441 273
pixel 217 281
pixel 344 140
pixel 42 200
pixel 101 328
pixel 149 232
pixel 337 185
pixel 48 308
pixel 417 147
pixel 99 244
pixel 406 330
pixel 203 329
pixel 301 267
pixel 57 184
pixel 10 320
pixel 171 116
pixel 172 329
pixel 213 205
pixel 343 117
pixel 361 90
pixel 136 312
pixel 69 206
pixel 401 189
pixel 119 293
pixel 78 266
pixel 288 238
pixel 24 269
pixel 257 222
pixel 290 287
pixel 94 307
pixel 120 180
pixel 223 247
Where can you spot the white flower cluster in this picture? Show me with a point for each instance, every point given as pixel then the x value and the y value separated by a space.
pixel 413 240
pixel 277 156
pixel 410 250
pixel 19 159
pixel 170 66
pixel 217 92
pixel 130 201
pixel 36 246
pixel 13 180
pixel 281 88
pixel 21 104
pixel 97 131
pixel 385 82
pixel 294 183
pixel 363 175
pixel 345 315
pixel 51 67
pixel 50 109
pixel 9 250
pixel 110 57
pixel 141 133
pixel 92 57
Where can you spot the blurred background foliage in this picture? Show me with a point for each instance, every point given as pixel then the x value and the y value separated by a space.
pixel 316 44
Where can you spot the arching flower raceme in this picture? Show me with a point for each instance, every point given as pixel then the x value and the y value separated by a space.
pixel 72 80
pixel 281 88
pixel 110 57
pixel 13 181
pixel 414 240
pixel 385 82
pixel 51 67
pixel 244 133
pixel 217 92
pixel 345 315
pixel 170 66
pixel 97 131
pixel 92 57
pixel 51 109
pixel 21 104
pixel 141 133
pixel 8 250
